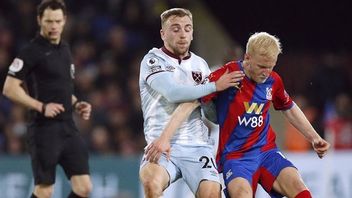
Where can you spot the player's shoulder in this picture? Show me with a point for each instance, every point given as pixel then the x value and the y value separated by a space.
pixel 275 75
pixel 233 65
pixel 198 58
pixel 195 56
pixel 29 50
pixel 154 57
pixel 64 44
pixel 29 46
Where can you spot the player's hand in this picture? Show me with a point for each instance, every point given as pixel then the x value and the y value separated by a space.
pixel 154 150
pixel 321 147
pixel 227 80
pixel 53 109
pixel 83 109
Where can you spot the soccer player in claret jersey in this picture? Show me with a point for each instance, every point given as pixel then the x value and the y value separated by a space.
pixel 168 76
pixel 247 153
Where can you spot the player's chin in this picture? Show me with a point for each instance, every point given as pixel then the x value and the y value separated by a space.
pixel 183 48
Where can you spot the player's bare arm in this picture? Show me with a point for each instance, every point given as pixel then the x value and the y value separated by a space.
pixel 297 118
pixel 14 91
pixel 162 144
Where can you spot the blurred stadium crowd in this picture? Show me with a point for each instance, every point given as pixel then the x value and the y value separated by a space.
pixel 108 39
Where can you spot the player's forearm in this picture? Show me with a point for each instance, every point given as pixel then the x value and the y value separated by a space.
pixel 175 92
pixel 181 113
pixel 297 118
pixel 17 94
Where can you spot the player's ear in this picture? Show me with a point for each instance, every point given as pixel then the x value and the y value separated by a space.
pixel 162 34
pixel 38 20
pixel 246 57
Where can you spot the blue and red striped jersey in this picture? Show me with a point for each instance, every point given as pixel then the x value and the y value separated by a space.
pixel 243 114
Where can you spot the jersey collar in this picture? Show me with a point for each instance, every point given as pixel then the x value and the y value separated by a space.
pixel 166 51
pixel 45 41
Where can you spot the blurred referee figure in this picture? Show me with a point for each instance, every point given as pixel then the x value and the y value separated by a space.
pixel 45 66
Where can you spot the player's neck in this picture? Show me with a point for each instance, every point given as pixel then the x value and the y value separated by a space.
pixel 52 41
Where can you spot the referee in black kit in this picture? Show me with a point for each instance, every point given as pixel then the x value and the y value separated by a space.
pixel 45 65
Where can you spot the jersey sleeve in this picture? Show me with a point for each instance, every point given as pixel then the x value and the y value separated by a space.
pixel 281 99
pixel 151 65
pixel 22 64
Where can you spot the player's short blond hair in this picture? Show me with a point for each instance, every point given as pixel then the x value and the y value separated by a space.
pixel 179 12
pixel 264 44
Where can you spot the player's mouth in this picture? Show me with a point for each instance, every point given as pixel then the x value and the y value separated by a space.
pixel 53 33
pixel 182 43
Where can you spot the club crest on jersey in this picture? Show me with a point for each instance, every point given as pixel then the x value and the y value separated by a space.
pixel 16 65
pixel 197 76
pixel 269 96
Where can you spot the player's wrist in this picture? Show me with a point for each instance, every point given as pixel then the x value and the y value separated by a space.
pixel 74 105
pixel 43 109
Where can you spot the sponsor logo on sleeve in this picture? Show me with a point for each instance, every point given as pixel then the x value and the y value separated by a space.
pixel 154 69
pixel 152 61
pixel 154 65
pixel 16 65
pixel 72 71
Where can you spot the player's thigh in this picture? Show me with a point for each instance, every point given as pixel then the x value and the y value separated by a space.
pixel 197 165
pixel 209 189
pixel 239 176
pixel 239 187
pixel 155 174
pixel 44 145
pixel 74 158
pixel 289 182
pixel 271 167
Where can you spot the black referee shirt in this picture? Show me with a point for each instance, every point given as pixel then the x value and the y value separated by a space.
pixel 48 71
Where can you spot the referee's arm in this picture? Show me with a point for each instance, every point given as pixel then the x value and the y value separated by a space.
pixel 15 92
pixel 83 108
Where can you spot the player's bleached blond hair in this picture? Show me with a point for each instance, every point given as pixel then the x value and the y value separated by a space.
pixel 263 44
pixel 179 12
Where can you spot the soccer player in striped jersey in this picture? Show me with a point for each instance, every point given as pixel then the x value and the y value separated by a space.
pixel 247 153
pixel 168 76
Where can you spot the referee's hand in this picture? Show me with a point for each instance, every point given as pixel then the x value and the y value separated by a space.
pixel 83 109
pixel 53 109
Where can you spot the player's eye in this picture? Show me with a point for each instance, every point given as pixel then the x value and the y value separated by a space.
pixel 188 28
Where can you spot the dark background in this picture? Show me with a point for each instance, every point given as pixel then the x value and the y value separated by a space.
pixel 301 25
